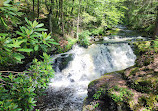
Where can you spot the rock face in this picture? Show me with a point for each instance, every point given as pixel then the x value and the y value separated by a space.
pixel 134 89
pixel 110 93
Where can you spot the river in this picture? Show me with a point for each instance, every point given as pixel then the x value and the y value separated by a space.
pixel 76 68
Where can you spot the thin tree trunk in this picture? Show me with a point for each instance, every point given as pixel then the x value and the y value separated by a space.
pixel 57 8
pixel 61 15
pixel 50 18
pixel 156 26
pixel 33 8
pixel 78 18
pixel 47 6
pixel 38 8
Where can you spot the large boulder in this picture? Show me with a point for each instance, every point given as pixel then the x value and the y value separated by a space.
pixel 110 93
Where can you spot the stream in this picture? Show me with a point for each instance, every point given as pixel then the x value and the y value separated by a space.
pixel 75 69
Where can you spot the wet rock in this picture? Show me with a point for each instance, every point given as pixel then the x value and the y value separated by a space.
pixel 62 62
pixel 69 75
pixel 72 80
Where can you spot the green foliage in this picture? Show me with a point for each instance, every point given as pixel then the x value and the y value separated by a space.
pixel 102 15
pixel 84 38
pixel 98 94
pixel 41 72
pixel 9 15
pixel 9 53
pixel 141 14
pixel 88 18
pixel 98 31
pixel 71 42
pixel 141 47
pixel 120 94
pixel 19 91
pixel 31 39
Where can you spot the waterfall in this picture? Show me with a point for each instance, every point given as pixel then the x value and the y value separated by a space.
pixel 76 68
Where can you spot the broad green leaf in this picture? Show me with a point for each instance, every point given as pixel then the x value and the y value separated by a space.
pixel 25 50
pixel 18 56
pixel 36 47
pixel 55 43
pixel 22 34
pixel 29 22
pixel 41 29
pixel 39 25
pixel 47 44
pixel 3 22
pixel 3 34
pixel 48 37
pixel 33 35
pixel 35 23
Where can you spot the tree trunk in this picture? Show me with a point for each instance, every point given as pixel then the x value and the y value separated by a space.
pixel 156 26
pixel 61 15
pixel 78 18
pixel 33 8
pixel 50 18
pixel 38 8
pixel 57 8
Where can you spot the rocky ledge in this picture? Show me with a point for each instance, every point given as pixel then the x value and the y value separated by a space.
pixel 133 89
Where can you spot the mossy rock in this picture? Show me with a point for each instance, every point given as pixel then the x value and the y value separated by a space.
pixel 147 83
pixel 149 102
pixel 104 91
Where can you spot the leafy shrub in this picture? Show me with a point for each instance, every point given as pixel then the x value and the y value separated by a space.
pixel 19 91
pixel 98 31
pixel 88 18
pixel 11 12
pixel 84 38
pixel 31 39
pixel 34 37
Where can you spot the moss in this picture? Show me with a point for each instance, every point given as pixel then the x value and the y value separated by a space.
pixel 146 103
pixel 119 72
pixel 92 83
pixel 102 78
pixel 134 70
pixel 149 101
pixel 145 84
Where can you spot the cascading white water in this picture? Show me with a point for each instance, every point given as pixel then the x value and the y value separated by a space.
pixel 69 86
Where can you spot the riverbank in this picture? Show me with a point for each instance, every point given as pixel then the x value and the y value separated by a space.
pixel 134 88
